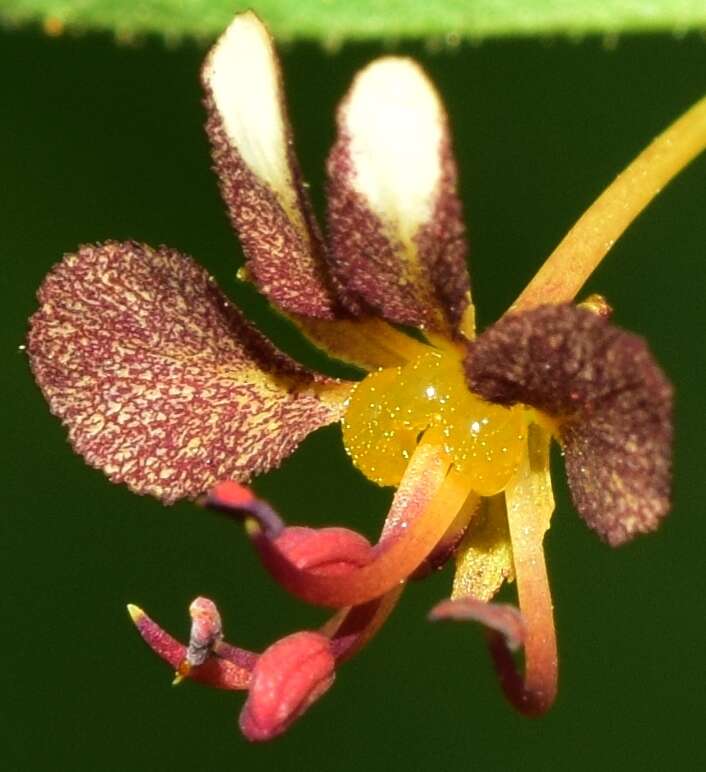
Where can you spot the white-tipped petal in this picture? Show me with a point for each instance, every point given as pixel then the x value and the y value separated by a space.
pixel 259 178
pixel 396 224
pixel 243 75
pixel 396 126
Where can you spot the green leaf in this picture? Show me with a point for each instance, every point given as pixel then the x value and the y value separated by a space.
pixel 444 22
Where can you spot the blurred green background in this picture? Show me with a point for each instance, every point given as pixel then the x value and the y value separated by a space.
pixel 101 141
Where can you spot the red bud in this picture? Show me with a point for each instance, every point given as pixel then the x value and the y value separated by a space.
pixel 329 551
pixel 289 676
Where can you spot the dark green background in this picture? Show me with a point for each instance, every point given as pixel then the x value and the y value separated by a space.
pixel 100 141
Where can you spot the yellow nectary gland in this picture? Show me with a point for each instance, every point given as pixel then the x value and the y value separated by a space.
pixel 390 409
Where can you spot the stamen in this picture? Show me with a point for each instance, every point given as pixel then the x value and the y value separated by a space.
pixel 586 244
pixel 530 504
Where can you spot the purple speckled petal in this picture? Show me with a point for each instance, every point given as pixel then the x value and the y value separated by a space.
pixel 612 401
pixel 161 382
pixel 397 234
pixel 259 177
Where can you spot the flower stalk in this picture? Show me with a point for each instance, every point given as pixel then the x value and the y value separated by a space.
pixel 579 253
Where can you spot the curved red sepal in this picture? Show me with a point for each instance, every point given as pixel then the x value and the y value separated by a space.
pixel 336 567
pixel 500 618
pixel 289 676
pixel 506 631
pixel 295 672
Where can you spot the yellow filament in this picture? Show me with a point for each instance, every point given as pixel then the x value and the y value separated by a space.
pixel 530 503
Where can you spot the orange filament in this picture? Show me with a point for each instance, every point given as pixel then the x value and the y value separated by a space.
pixel 530 504
pixel 392 408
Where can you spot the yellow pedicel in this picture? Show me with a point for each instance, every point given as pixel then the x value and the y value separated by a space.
pixel 391 408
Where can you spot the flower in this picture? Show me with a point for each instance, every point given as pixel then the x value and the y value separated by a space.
pixel 166 387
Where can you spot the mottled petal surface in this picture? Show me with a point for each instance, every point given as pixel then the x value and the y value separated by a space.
pixel 612 401
pixel 161 382
pixel 259 177
pixel 397 234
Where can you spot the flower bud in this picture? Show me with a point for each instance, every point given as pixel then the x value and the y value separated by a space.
pixel 289 676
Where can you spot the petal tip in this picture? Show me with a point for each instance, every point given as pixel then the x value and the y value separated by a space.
pixel 246 28
pixel 230 495
pixel 136 613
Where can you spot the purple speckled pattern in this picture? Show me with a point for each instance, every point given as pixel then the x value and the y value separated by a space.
pixel 161 382
pixel 375 272
pixel 613 403
pixel 443 247
pixel 286 262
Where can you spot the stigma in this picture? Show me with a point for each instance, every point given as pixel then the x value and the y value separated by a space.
pixel 391 410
